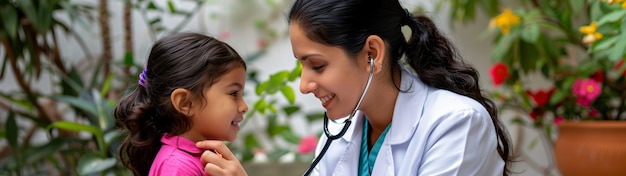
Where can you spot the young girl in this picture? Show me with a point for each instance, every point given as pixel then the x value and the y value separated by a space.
pixel 190 90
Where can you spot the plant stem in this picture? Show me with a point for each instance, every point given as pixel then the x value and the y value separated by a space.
pixel 22 82
pixel 107 53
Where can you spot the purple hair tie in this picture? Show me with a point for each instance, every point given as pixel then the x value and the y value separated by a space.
pixel 143 78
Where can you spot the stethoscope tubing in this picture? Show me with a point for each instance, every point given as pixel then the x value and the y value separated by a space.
pixel 345 127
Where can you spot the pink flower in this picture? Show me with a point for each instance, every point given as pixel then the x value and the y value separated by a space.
pixel 261 43
pixel 558 120
pixel 224 35
pixel 586 90
pixel 498 73
pixel 307 144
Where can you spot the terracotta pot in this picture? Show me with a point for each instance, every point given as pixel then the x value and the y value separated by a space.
pixel 591 148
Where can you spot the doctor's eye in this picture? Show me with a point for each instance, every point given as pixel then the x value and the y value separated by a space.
pixel 317 68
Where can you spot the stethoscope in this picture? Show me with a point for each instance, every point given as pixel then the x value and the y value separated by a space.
pixel 346 125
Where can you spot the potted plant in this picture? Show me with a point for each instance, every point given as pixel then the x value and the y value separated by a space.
pixel 561 65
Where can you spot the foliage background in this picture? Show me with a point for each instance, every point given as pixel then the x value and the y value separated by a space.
pixel 91 50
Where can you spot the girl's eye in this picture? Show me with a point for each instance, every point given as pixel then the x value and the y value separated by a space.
pixel 234 93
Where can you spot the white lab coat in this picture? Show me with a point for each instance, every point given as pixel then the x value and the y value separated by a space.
pixel 433 132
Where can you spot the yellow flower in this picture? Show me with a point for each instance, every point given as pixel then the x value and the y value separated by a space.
pixel 618 1
pixel 505 21
pixel 590 31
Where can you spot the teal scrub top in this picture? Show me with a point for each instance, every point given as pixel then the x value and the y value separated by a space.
pixel 368 158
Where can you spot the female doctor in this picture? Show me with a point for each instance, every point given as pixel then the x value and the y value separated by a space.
pixel 420 107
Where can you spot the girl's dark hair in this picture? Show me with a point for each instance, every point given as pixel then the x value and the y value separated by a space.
pixel 348 23
pixel 185 60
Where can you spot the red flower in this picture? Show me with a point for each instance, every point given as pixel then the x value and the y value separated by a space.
pixel 536 113
pixel 541 97
pixel 594 113
pixel 498 73
pixel 598 76
pixel 619 64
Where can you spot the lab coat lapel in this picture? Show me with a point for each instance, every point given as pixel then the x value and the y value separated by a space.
pixel 351 144
pixel 384 161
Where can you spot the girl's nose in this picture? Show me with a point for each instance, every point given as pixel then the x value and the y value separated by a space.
pixel 244 107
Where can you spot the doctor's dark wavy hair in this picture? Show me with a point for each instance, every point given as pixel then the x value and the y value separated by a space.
pixel 185 60
pixel 348 23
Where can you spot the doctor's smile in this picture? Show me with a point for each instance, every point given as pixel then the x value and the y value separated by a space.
pixel 326 100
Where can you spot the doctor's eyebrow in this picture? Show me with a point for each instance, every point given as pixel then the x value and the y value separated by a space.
pixel 303 58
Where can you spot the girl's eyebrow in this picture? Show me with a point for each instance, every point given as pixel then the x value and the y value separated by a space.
pixel 236 84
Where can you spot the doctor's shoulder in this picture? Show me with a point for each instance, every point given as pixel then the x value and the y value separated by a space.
pixel 443 103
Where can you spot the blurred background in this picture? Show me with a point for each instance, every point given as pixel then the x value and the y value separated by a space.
pixel 65 63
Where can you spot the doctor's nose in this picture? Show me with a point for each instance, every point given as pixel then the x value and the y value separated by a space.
pixel 307 86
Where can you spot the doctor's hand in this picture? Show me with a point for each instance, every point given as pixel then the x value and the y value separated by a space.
pixel 218 160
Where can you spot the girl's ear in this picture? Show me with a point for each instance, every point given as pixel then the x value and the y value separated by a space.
pixel 181 100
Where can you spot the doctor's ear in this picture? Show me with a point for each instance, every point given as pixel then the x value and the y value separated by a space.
pixel 375 48
pixel 378 65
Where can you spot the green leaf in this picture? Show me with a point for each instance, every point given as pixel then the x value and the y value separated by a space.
pixel 260 106
pixel 128 59
pixel 171 6
pixel 618 50
pixel 76 127
pixel 531 33
pixel 558 96
pixel 41 152
pixel 611 17
pixel 277 153
pixel 518 120
pixel 106 86
pixel 290 137
pixel 250 141
pixel 277 81
pixel 9 21
pixel 111 136
pixel 94 163
pixel 272 108
pixel 81 104
pixel 595 11
pixel 576 5
pixel 11 130
pixel 289 110
pixel 604 44
pixel 278 129
pixel 314 116
pixel 154 22
pixel 260 88
pixel 152 6
pixel 503 46
pixel 295 73
pixel 289 94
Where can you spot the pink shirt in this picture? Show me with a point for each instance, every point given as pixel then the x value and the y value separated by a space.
pixel 177 156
